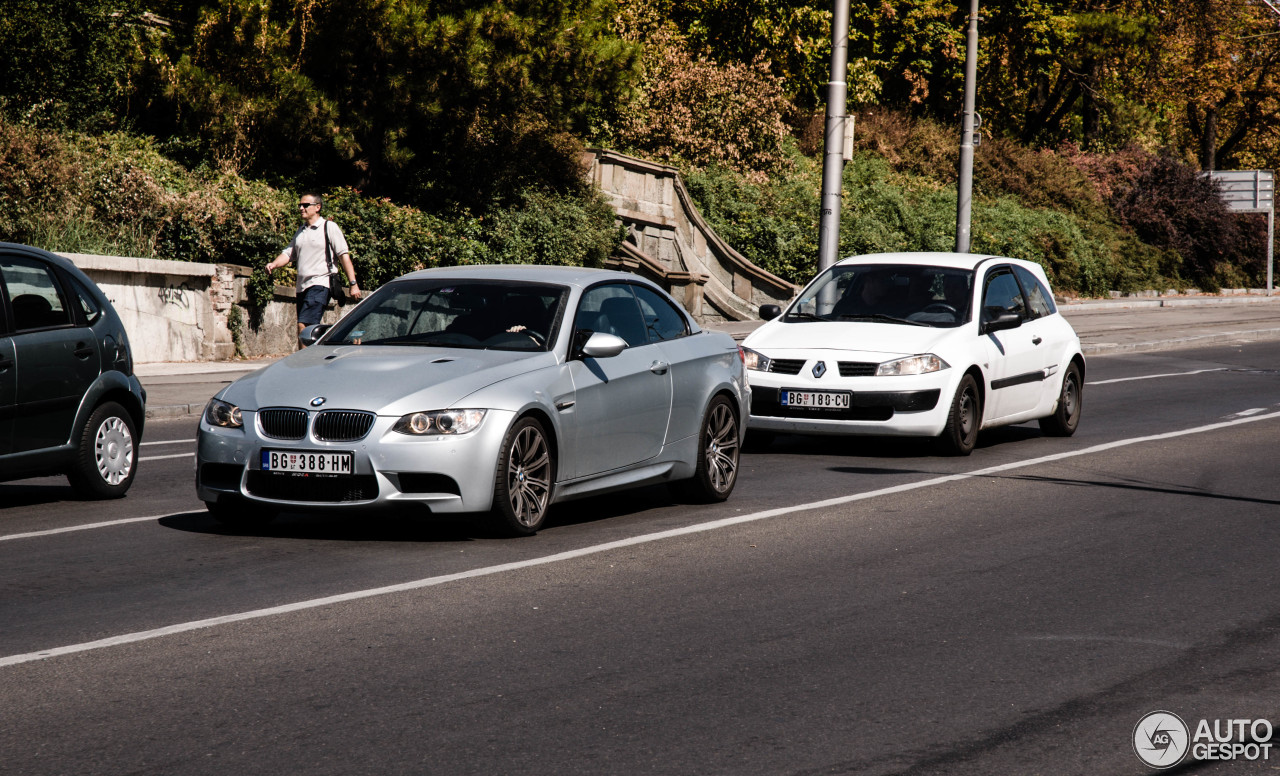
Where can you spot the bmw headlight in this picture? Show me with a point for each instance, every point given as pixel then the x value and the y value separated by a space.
pixel 758 362
pixel 438 422
pixel 912 365
pixel 221 413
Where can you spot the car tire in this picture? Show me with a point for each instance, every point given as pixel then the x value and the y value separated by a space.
pixel 238 513
pixel 524 480
pixel 1066 418
pixel 106 456
pixel 719 447
pixel 960 435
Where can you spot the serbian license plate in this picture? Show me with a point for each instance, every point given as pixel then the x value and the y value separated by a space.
pixel 307 462
pixel 820 400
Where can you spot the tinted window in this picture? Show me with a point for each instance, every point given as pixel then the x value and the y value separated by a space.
pixel 463 314
pixel 34 298
pixel 613 309
pixel 1002 295
pixel 1037 295
pixel 889 293
pixel 663 321
pixel 88 305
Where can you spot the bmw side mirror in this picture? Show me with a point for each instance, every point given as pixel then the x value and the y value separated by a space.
pixel 312 333
pixel 1002 322
pixel 769 311
pixel 603 345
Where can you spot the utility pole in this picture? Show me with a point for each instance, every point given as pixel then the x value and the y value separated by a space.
pixel 964 191
pixel 834 148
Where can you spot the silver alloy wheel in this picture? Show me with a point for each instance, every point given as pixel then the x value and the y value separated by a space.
pixel 113 450
pixel 529 476
pixel 722 447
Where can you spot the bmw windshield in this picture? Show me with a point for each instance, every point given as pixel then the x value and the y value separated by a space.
pixel 497 315
pixel 907 294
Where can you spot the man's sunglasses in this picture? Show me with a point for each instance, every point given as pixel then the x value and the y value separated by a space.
pixel 305 205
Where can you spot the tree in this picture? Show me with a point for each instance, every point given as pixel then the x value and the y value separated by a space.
pixel 64 62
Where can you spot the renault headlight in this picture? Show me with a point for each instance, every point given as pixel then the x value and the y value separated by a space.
pixel 755 361
pixel 912 365
pixel 439 422
pixel 221 413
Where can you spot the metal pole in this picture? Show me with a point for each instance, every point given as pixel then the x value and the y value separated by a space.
pixel 833 151
pixel 964 198
pixel 1271 241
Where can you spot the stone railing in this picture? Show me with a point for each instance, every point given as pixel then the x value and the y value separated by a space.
pixel 669 242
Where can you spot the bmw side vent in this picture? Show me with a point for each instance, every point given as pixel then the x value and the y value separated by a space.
pixel 343 425
pixel 786 366
pixel 857 369
pixel 283 423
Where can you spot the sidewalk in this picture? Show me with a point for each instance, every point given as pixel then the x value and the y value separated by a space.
pixel 1139 325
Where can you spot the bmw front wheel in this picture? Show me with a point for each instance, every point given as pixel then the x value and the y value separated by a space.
pixel 522 484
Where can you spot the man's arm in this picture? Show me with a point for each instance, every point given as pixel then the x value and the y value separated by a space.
pixel 350 269
pixel 278 262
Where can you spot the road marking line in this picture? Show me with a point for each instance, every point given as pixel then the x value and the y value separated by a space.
pixel 170 442
pixel 87 526
pixel 1152 377
pixel 129 638
pixel 1247 413
pixel 162 457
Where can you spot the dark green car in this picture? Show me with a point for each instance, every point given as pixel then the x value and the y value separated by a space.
pixel 69 401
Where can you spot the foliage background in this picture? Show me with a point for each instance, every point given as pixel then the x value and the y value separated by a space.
pixel 452 132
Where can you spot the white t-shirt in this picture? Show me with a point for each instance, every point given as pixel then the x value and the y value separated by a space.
pixel 307 250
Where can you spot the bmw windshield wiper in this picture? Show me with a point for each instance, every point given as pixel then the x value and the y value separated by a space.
pixel 882 317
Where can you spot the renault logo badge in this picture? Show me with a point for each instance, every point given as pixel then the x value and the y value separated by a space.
pixel 820 369
pixel 317 401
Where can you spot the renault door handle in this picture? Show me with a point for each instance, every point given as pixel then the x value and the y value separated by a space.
pixel 1036 340
pixel 659 367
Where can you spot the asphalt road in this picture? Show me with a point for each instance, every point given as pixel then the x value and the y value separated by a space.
pixel 858 607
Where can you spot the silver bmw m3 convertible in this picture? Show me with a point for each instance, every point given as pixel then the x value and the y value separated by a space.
pixel 498 389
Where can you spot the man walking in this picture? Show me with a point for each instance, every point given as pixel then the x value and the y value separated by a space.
pixel 314 264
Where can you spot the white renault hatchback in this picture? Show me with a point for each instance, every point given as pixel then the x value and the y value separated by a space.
pixel 917 344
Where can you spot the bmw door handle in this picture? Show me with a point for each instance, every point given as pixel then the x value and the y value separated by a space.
pixel 82 351
pixel 659 367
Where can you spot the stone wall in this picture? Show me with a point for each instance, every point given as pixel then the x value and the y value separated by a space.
pixel 669 241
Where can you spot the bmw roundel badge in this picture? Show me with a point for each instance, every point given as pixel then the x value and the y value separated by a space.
pixel 317 401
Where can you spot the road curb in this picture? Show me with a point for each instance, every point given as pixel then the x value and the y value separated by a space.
pixel 1179 343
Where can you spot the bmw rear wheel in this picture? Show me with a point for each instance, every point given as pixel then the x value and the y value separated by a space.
pixel 719 444
pixel 523 482
pixel 106 457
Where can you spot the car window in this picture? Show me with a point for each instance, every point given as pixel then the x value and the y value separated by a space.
pixel 1037 295
pixel 923 295
pixel 34 298
pixel 88 305
pixel 612 308
pixel 661 319
pixel 499 315
pixel 1002 295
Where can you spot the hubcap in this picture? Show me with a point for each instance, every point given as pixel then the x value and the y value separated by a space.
pixel 722 448
pixel 113 451
pixel 529 476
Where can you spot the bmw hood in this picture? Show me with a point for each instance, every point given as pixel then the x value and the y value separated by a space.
pixel 873 341
pixel 389 380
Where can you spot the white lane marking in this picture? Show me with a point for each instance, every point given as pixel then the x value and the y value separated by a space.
pixel 170 442
pixel 1153 377
pixel 129 638
pixel 86 527
pixel 162 457
pixel 1247 413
